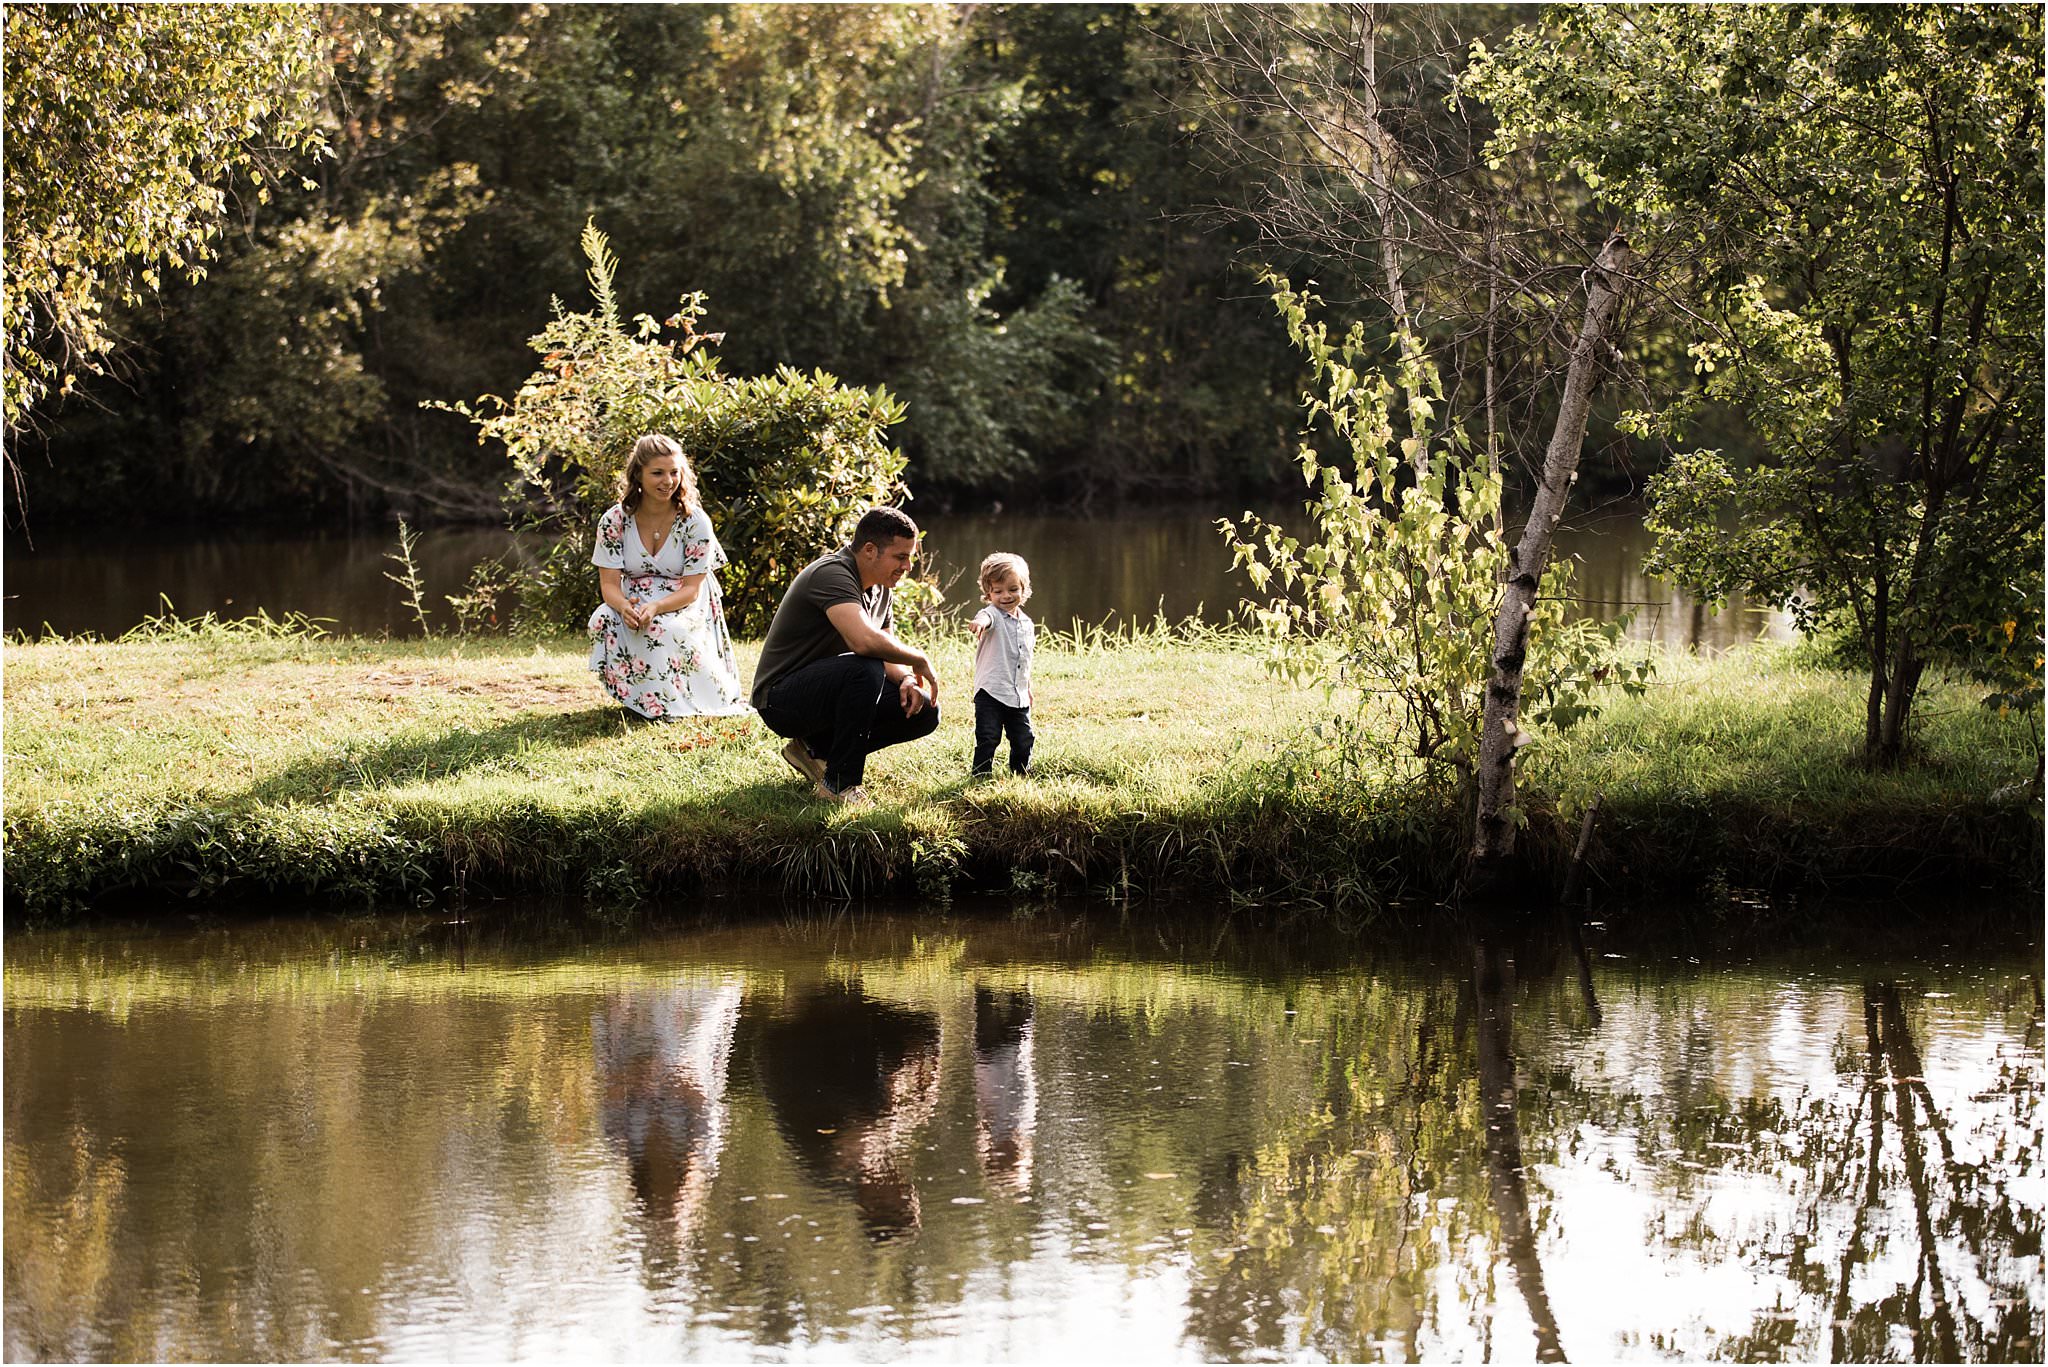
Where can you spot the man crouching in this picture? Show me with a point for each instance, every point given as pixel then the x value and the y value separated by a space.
pixel 832 676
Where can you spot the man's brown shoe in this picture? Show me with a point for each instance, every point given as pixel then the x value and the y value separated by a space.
pixel 804 762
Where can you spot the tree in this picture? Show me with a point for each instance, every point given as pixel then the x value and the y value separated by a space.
pixel 1389 599
pixel 1501 734
pixel 127 126
pixel 1858 192
pixel 815 170
pixel 1410 570
pixel 1366 155
pixel 1111 176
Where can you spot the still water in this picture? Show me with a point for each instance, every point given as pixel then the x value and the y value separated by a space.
pixel 1048 1135
pixel 1122 568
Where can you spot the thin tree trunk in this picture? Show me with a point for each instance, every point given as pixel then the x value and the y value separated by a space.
pixel 1942 464
pixel 1382 157
pixel 1901 677
pixel 1898 711
pixel 1873 703
pixel 1492 399
pixel 1493 840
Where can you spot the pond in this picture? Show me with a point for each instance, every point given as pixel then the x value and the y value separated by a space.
pixel 1055 1133
pixel 1124 567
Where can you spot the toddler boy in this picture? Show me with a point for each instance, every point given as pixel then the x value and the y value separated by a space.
pixel 1003 642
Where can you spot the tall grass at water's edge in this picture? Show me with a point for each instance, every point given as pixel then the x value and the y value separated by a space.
pixel 225 758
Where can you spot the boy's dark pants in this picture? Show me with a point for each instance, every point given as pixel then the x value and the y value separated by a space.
pixel 844 709
pixel 992 720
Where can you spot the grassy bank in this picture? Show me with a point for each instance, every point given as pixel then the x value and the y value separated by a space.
pixel 211 761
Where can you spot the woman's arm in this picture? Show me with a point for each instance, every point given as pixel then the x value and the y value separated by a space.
pixel 611 587
pixel 686 591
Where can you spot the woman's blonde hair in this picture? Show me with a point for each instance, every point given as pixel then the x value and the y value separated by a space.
pixel 1005 562
pixel 647 449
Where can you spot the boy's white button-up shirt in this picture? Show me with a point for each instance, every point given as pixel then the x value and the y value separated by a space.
pixel 1002 658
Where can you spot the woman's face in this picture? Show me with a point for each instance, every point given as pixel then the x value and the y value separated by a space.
pixel 660 478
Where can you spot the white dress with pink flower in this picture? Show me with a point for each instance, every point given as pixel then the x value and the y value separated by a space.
pixel 682 665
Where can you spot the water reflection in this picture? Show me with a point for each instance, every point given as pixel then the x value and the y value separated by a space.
pixel 880 1137
pixel 1005 1088
pixel 1493 991
pixel 660 1057
pixel 1915 1210
pixel 852 1082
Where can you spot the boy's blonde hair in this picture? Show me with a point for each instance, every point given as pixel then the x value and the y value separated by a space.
pixel 1004 562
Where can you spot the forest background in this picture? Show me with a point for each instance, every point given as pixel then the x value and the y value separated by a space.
pixel 1040 227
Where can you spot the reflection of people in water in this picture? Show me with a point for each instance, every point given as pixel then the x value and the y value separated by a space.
pixel 661 1059
pixel 852 1081
pixel 1005 1088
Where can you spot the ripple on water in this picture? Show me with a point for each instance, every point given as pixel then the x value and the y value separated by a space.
pixel 939 1138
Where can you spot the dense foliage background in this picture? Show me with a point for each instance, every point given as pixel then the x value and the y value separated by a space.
pixel 1040 227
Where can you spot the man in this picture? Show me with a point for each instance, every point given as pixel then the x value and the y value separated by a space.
pixel 832 676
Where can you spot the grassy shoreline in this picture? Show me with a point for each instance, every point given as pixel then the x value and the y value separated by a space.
pixel 342 771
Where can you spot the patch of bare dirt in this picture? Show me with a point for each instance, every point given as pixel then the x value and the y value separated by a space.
pixel 508 686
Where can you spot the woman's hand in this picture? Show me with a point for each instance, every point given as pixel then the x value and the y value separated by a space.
pixel 611 587
pixel 685 594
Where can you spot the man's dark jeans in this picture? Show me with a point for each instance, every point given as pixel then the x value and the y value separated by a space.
pixel 991 720
pixel 843 709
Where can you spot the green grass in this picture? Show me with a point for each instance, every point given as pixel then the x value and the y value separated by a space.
pixel 213 758
pixel 1746 769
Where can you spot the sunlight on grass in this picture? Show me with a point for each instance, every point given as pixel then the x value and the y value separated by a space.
pixel 347 767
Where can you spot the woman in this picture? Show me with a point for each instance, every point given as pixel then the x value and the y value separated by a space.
pixel 659 644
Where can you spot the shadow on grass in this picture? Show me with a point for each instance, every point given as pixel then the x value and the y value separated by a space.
pixel 443 753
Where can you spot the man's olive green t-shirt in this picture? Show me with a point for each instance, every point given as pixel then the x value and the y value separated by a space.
pixel 801 633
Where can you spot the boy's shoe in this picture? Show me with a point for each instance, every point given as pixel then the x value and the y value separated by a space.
pixel 803 761
pixel 855 796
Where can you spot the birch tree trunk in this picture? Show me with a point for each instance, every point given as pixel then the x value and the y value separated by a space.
pixel 1493 837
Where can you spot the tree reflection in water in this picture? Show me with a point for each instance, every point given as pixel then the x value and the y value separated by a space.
pixel 1433 1156
pixel 1887 1233
pixel 852 1081
pixel 1964 1255
pixel 1501 1154
pixel 1493 985
pixel 1375 1217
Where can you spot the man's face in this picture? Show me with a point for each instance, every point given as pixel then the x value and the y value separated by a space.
pixel 886 563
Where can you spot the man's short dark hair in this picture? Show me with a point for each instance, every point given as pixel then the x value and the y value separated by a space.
pixel 880 526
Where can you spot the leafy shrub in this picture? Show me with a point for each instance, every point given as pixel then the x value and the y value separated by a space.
pixel 785 463
pixel 1389 602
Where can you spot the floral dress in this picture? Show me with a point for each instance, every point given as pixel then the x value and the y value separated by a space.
pixel 682 665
